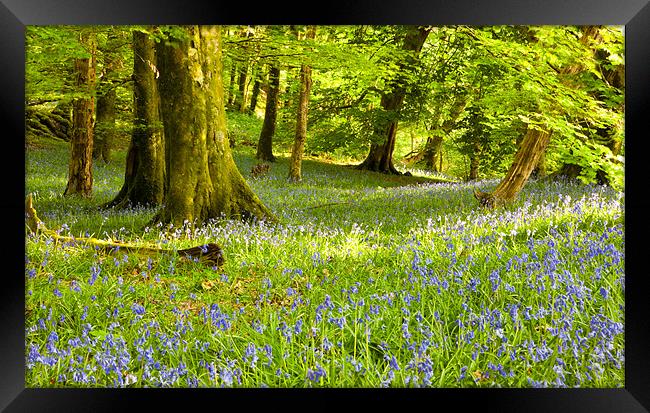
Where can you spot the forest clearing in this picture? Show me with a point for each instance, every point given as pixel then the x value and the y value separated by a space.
pixel 395 206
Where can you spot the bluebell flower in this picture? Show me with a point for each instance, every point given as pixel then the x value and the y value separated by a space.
pixel 137 309
pixel 251 354
pixel 604 292
pixel 316 374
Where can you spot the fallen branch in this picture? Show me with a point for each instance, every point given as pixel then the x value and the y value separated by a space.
pixel 209 254
pixel 329 204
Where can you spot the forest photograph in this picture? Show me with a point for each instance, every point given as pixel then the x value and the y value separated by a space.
pixel 366 206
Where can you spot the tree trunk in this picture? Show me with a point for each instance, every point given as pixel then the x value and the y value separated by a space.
pixel 231 85
pixel 540 169
pixel 265 144
pixel 144 178
pixel 105 125
pixel 475 161
pixel 255 94
pixel 240 99
pixel 433 153
pixel 203 180
pixel 295 165
pixel 532 147
pixel 380 157
pixel 80 173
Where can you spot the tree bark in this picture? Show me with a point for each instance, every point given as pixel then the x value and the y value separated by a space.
pixel 144 177
pixel 532 147
pixel 380 156
pixel 240 99
pixel 105 125
pixel 295 164
pixel 475 161
pixel 203 180
pixel 265 144
pixel 255 93
pixel 80 173
pixel 433 153
pixel 231 85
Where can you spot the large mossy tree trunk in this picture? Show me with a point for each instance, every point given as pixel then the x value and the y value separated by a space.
pixel 380 156
pixel 295 164
pixel 144 177
pixel 265 144
pixel 80 173
pixel 203 180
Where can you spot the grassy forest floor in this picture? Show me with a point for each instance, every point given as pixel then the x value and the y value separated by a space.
pixel 369 280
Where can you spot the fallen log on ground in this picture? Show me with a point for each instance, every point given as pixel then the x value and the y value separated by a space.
pixel 210 254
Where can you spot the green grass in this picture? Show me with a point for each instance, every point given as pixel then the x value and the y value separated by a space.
pixel 368 280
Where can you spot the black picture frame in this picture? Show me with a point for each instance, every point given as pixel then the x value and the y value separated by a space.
pixel 634 14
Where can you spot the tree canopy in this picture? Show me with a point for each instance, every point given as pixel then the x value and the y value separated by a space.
pixel 469 96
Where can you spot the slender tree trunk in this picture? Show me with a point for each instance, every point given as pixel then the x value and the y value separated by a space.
pixel 80 173
pixel 475 161
pixel 288 101
pixel 144 178
pixel 231 85
pixel 240 100
pixel 255 93
pixel 380 156
pixel 105 125
pixel 265 144
pixel 295 165
pixel 204 182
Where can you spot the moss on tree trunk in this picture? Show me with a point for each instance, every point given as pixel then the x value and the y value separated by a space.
pixel 80 176
pixel 203 180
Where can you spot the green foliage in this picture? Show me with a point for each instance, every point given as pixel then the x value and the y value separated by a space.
pixel 514 76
